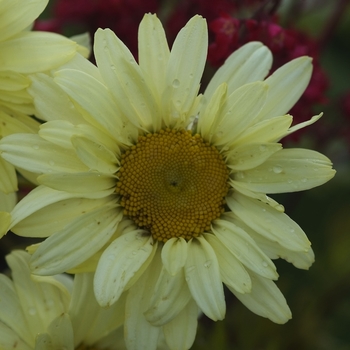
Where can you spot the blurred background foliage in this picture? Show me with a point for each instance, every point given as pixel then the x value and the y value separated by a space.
pixel 319 298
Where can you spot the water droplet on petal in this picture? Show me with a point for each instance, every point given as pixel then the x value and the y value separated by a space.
pixel 176 83
pixel 265 264
pixel 208 263
pixel 36 146
pixel 304 180
pixel 277 169
pixel 51 162
pixel 190 269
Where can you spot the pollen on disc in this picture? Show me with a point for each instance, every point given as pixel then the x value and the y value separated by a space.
pixel 173 184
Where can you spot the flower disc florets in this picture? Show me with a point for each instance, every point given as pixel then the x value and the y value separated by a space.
pixel 173 183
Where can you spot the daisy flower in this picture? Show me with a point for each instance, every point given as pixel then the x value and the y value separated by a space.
pixel 23 52
pixel 161 190
pixel 44 313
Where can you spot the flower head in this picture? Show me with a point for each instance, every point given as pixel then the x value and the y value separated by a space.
pixel 23 52
pixel 162 190
pixel 53 312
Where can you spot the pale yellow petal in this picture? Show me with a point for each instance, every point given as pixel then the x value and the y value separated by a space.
pixel 174 255
pixel 203 278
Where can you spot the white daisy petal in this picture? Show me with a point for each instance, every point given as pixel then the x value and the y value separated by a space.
pixel 37 199
pixel 288 170
pixel 119 263
pixel 300 259
pixel 95 155
pixel 185 71
pixel 269 130
pixel 51 103
pixel 138 332
pixel 251 155
pixel 9 306
pixel 40 49
pixel 43 342
pixel 102 110
pixel 63 250
pixel 18 16
pixel 211 110
pixel 8 337
pixel 232 271
pixel 34 154
pixel 181 331
pixel 8 178
pixel 268 222
pixel 241 188
pixel 249 63
pixel 265 300
pixel 41 302
pixel 239 111
pixel 153 53
pixel 203 279
pixel 52 211
pixel 244 248
pixel 61 332
pixel 302 125
pixel 171 294
pixel 174 255
pixel 78 182
pixel 5 221
pixel 125 80
pixel 60 132
pixel 286 84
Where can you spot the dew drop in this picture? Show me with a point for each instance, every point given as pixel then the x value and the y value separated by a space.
pixel 262 148
pixel 265 264
pixel 176 83
pixel 51 162
pixel 292 230
pixel 36 146
pixel 207 264
pixel 304 180
pixel 277 169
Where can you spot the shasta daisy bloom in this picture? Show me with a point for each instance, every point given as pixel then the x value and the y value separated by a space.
pixel 162 190
pixel 23 52
pixel 53 312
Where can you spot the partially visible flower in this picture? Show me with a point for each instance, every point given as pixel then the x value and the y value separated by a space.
pixel 162 189
pixel 54 312
pixel 23 52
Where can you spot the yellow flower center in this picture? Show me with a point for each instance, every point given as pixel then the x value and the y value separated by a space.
pixel 173 184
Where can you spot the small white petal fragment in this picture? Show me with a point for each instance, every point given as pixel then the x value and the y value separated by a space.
pixel 174 255
pixel 265 300
pixel 119 263
pixel 203 278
